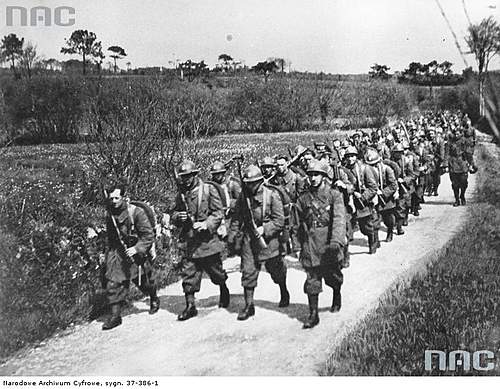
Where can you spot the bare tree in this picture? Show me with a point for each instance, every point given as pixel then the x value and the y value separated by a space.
pixel 483 40
pixel 28 59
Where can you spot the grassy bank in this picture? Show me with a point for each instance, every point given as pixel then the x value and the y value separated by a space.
pixel 454 305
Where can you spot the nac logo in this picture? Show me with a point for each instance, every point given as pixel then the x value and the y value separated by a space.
pixel 482 360
pixel 40 16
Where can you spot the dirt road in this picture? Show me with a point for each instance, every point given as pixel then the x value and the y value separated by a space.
pixel 272 342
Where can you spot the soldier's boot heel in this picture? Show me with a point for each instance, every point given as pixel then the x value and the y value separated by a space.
pixel 313 319
pixel 115 320
pixel 390 234
pixel 190 310
pixel 346 261
pixel 154 305
pixel 399 228
pixel 337 301
pixel 376 239
pixel 462 197
pixel 247 312
pixel 285 296
pixel 372 245
pixel 224 296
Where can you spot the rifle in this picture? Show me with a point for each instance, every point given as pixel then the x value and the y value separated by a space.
pixel 250 218
pixel 188 226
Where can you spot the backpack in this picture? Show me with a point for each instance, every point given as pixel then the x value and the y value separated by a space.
pixel 150 214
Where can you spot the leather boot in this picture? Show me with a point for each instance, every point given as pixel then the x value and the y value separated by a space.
pixel 224 296
pixel 399 228
pixel 249 309
pixel 154 304
pixel 190 310
pixel 457 198
pixel 405 220
pixel 376 239
pixel 115 319
pixel 313 318
pixel 462 197
pixel 371 244
pixel 285 296
pixel 389 235
pixel 337 300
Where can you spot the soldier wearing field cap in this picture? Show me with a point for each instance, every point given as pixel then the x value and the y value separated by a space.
pixel 321 234
pixel 261 207
pixel 198 213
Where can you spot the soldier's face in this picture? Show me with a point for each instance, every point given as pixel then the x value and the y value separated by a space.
pixel 351 159
pixel 267 171
pixel 116 199
pixel 253 187
pixel 281 165
pixel 315 179
pixel 218 178
pixel 187 180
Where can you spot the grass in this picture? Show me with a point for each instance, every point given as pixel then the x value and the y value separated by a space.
pixel 454 305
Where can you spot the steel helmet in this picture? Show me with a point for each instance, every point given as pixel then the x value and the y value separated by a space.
pixel 217 167
pixel 268 161
pixel 398 148
pixel 187 167
pixel 372 157
pixel 318 167
pixel 351 150
pixel 252 173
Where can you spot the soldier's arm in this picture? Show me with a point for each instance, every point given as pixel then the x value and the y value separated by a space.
pixel 391 184
pixel 339 219
pixel 215 210
pixel 277 220
pixel 370 182
pixel 234 193
pixel 144 230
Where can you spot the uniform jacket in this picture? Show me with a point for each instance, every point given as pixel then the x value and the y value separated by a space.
pixel 272 218
pixel 204 243
pixel 386 182
pixel 366 184
pixel 119 268
pixel 320 211
pixel 232 190
pixel 457 156
pixel 291 183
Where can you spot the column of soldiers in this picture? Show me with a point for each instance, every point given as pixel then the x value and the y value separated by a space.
pixel 306 205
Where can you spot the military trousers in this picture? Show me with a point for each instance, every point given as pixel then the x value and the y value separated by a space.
pixel 368 225
pixel 192 272
pixel 250 269
pixel 459 180
pixel 117 292
pixel 389 218
pixel 331 273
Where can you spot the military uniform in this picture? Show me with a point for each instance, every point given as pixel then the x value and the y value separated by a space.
pixel 458 166
pixel 387 183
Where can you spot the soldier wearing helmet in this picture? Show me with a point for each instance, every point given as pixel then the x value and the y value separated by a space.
pixel 230 186
pixel 198 214
pixel 268 167
pixel 267 209
pixel 321 235
pixel 365 190
pixel 386 188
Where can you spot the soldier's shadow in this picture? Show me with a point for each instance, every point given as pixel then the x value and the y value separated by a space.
pixel 176 304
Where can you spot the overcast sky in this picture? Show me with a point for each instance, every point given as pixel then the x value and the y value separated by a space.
pixel 336 36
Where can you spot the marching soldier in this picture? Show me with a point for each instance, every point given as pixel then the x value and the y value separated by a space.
pixel 458 166
pixel 198 213
pixel 365 189
pixel 124 258
pixel 386 188
pixel 405 182
pixel 261 207
pixel 321 234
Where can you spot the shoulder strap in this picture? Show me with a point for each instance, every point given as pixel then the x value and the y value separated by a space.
pixel 200 198
pixel 130 210
pixel 265 193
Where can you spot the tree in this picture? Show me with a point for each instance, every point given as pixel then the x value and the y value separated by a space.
pixel 192 70
pixel 84 43
pixel 445 68
pixel 379 72
pixel 11 49
pixel 28 59
pixel 265 68
pixel 225 61
pixel 483 40
pixel 118 53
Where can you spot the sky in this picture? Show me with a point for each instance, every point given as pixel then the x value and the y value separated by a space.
pixel 333 36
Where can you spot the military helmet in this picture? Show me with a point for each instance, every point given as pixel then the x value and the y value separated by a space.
pixel 398 148
pixel 299 150
pixel 351 150
pixel 217 167
pixel 252 173
pixel 268 161
pixel 187 167
pixel 372 157
pixel 316 166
